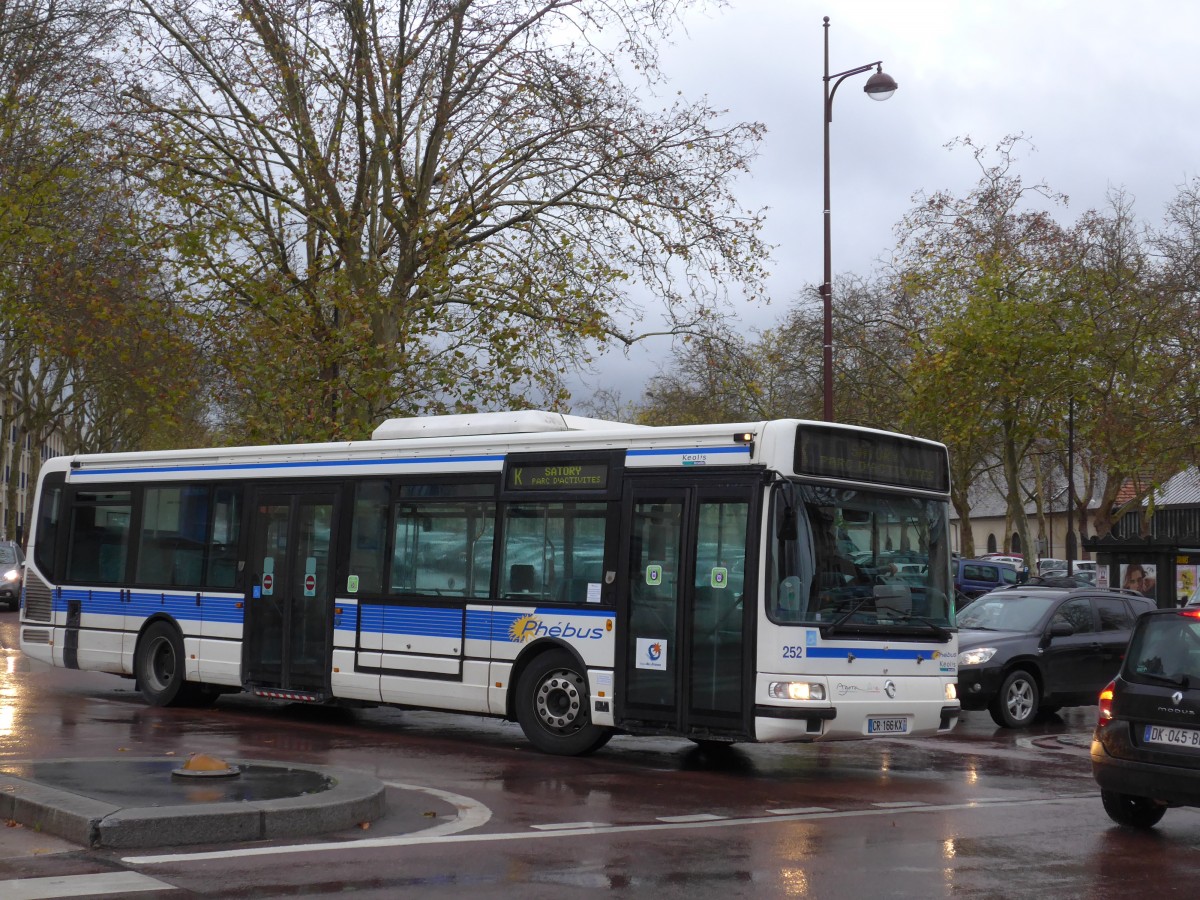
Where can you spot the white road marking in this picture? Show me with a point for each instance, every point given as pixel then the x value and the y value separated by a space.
pixel 422 838
pixel 471 813
pixel 799 811
pixel 580 825
pixel 682 820
pixel 898 804
pixel 80 886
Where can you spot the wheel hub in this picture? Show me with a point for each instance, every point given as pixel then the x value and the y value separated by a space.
pixel 162 663
pixel 559 701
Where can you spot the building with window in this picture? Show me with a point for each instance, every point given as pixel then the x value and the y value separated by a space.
pixel 18 453
pixel 993 532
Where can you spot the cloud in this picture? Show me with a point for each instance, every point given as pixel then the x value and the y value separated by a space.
pixel 1103 90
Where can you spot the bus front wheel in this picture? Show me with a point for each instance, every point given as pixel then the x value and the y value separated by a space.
pixel 554 708
pixel 159 666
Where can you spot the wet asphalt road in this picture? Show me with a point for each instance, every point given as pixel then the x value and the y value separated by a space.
pixel 475 812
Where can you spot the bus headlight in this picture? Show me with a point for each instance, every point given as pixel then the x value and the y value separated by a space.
pixel 951 690
pixel 796 690
pixel 976 657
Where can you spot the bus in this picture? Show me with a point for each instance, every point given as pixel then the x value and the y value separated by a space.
pixel 723 583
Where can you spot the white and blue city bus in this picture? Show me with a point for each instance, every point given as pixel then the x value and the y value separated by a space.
pixel 770 581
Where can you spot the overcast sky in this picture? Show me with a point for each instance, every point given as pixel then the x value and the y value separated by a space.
pixel 1104 90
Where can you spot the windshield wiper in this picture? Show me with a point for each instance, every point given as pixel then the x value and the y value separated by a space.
pixel 943 634
pixel 841 620
pixel 1181 680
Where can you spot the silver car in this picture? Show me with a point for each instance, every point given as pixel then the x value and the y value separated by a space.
pixel 12 573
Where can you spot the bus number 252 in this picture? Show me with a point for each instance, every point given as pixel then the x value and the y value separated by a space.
pixel 793 651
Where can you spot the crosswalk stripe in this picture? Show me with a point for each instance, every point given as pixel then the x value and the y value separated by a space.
pixel 80 886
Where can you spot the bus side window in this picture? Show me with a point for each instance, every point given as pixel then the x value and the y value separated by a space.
pixel 368 535
pixel 223 535
pixel 49 513
pixel 554 551
pixel 175 522
pixel 442 540
pixel 99 538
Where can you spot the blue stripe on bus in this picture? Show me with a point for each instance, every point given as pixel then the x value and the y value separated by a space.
pixel 314 464
pixel 143 604
pixel 370 618
pixel 667 451
pixel 480 624
pixel 423 621
pixel 864 653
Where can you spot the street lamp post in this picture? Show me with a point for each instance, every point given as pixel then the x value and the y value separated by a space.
pixel 1072 548
pixel 879 86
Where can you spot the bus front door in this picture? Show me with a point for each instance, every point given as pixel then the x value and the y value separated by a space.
pixel 685 656
pixel 287 632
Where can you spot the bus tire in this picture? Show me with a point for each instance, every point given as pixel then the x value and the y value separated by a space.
pixel 159 666
pixel 554 709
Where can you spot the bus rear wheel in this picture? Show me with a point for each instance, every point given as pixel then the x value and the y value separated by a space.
pixel 159 666
pixel 554 708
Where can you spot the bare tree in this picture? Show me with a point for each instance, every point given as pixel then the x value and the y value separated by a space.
pixel 423 204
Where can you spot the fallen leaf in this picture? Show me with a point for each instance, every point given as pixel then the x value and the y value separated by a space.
pixel 364 825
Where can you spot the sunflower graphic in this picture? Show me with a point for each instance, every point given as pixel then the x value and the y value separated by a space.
pixel 520 630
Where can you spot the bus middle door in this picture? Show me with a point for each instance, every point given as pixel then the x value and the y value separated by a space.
pixel 289 600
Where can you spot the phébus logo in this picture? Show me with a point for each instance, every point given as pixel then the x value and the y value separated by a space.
pixel 527 628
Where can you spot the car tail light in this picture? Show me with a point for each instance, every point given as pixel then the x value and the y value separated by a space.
pixel 1190 613
pixel 1106 699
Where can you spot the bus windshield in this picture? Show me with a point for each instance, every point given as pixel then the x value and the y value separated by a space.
pixel 855 560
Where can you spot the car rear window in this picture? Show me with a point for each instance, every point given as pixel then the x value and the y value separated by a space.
pixel 1166 646
pixel 980 573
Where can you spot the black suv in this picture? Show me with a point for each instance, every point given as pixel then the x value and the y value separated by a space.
pixel 1146 749
pixel 1031 649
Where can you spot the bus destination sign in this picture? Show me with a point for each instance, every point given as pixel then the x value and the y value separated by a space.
pixel 559 476
pixel 877 458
